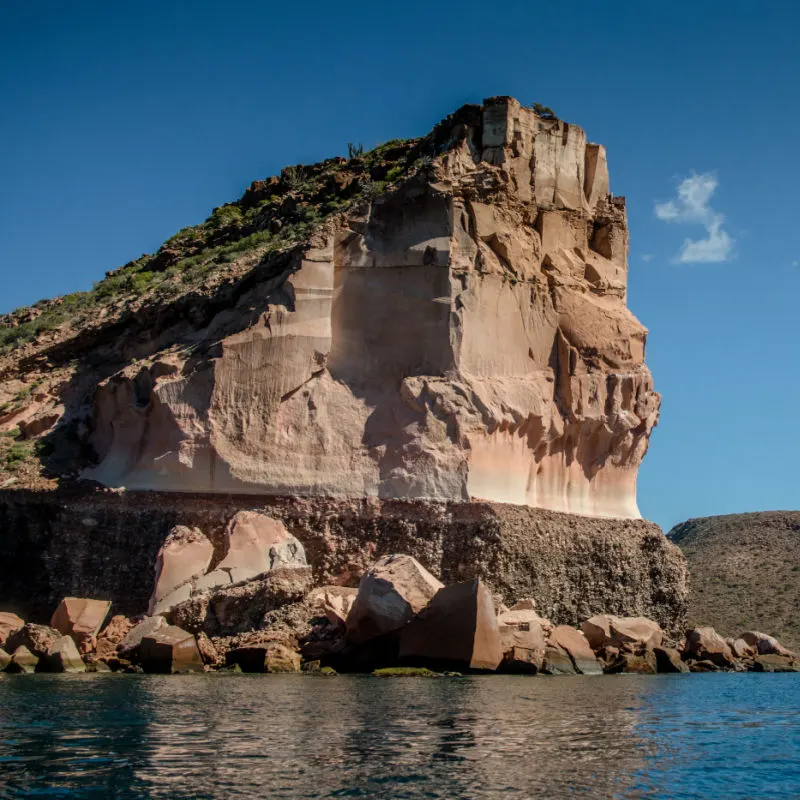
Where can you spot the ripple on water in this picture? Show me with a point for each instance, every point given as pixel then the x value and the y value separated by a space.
pixel 214 736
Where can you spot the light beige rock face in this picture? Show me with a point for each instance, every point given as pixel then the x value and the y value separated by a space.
pixel 464 336
pixel 183 558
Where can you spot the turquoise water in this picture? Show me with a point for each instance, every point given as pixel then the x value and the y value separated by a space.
pixel 225 736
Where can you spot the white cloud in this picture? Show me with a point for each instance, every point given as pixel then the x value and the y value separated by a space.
pixel 692 206
pixel 648 257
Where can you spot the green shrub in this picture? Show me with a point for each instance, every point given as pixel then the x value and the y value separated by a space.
pixel 543 111
pixel 394 173
pixel 224 216
pixel 355 150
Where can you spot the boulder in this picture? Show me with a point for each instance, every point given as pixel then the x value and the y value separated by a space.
pixel 63 656
pixel 112 636
pixel 170 649
pixel 38 639
pixel 741 649
pixel 775 662
pixel 390 593
pixel 607 630
pixel 80 618
pixel 183 558
pixel 23 661
pixel 5 659
pixel 703 666
pixel 228 610
pixel 207 651
pixel 255 544
pixel 705 644
pixel 557 662
pixel 267 655
pixel 334 602
pixel 633 664
pixel 764 644
pixel 574 644
pixel 522 640
pixel 669 660
pixel 9 623
pixel 457 628
pixel 133 639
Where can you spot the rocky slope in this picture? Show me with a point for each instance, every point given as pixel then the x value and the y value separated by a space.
pixel 745 572
pixel 441 319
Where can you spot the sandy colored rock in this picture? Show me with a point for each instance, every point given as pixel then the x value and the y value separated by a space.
pixel 132 640
pixel 458 628
pixel 390 593
pixel 80 618
pixel 183 558
pixel 208 652
pixel 112 635
pixel 705 644
pixel 523 638
pixel 774 662
pixel 5 659
pixel 668 660
pixel 575 645
pixel 741 649
pixel 255 544
pixel 764 644
pixel 633 663
pixel 23 661
pixel 9 623
pixel 607 630
pixel 38 639
pixel 63 656
pixel 170 649
pixel 335 602
pixel 521 380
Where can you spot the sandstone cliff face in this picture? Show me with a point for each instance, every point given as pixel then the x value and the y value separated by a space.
pixel 464 336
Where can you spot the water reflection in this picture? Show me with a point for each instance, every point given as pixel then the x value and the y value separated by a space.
pixel 213 736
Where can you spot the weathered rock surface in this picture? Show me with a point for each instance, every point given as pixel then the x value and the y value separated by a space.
pixel 705 644
pixel 63 656
pixel 523 379
pixel 183 558
pixel 607 630
pixel 668 660
pixel 457 628
pixel 5 659
pixel 81 618
pixel 255 544
pixel 23 661
pixel 764 644
pixel 335 602
pixel 104 544
pixel 523 638
pixel 572 642
pixel 390 593
pixel 132 640
pixel 9 623
pixel 38 639
pixel 112 636
pixel 170 649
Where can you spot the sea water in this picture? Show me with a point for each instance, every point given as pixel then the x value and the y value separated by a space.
pixel 272 736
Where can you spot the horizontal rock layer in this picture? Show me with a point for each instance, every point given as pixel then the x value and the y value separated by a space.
pixel 105 544
pixel 464 336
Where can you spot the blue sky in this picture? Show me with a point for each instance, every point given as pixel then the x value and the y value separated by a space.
pixel 121 123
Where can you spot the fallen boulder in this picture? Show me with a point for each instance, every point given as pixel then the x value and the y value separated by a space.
pixel 458 629
pixel 38 639
pixel 775 662
pixel 255 544
pixel 23 661
pixel 80 618
pixel 63 656
pixel 390 593
pixel 5 659
pixel 669 660
pixel 705 644
pixel 170 649
pixel 574 644
pixel 9 623
pixel 522 640
pixel 133 639
pixel 764 644
pixel 632 663
pixel 183 558
pixel 334 602
pixel 112 636
pixel 607 630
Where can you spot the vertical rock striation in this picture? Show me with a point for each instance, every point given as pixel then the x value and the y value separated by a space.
pixel 464 336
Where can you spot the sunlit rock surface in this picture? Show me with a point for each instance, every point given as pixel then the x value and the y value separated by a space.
pixel 465 336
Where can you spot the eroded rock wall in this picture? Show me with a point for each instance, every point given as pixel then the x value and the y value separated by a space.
pixel 464 337
pixel 105 545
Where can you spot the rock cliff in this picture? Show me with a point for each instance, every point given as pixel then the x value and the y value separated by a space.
pixel 446 322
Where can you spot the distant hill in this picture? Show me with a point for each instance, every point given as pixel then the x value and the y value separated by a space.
pixel 745 572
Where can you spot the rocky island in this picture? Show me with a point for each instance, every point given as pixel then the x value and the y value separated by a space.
pixel 380 410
